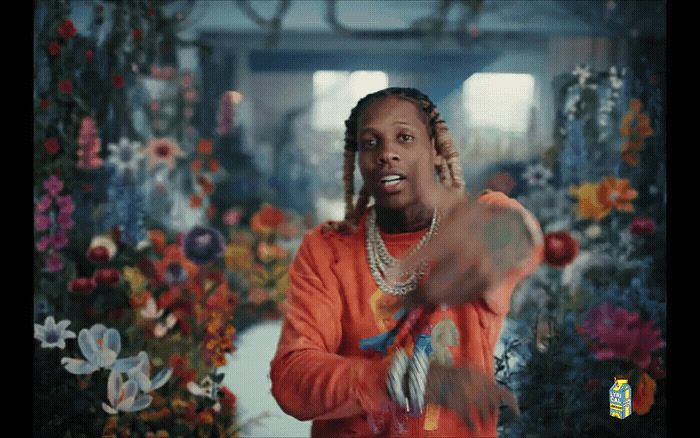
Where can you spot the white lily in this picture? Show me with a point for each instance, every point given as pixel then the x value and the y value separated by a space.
pixel 124 396
pixel 141 372
pixel 99 345
pixel 53 335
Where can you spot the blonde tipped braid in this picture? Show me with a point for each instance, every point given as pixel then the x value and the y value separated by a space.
pixel 450 170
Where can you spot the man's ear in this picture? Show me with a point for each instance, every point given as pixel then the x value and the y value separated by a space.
pixel 437 158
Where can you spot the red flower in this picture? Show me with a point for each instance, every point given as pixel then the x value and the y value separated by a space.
pixel 228 400
pixel 67 30
pixel 107 277
pixel 560 249
pixel 90 55
pixel 267 219
pixel 137 33
pixel 65 86
pixel 83 285
pixel 98 254
pixel 118 81
pixel 44 104
pixel 642 226
pixel 51 145
pixel 54 48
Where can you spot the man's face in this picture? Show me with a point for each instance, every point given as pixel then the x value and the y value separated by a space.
pixel 393 140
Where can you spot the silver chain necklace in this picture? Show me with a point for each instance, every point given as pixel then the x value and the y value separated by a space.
pixel 380 260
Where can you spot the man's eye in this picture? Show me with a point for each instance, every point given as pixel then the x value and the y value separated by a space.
pixel 369 143
pixel 406 137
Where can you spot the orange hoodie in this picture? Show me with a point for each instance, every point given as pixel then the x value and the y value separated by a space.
pixel 340 331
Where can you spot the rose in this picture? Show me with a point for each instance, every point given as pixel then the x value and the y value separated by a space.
pixel 560 249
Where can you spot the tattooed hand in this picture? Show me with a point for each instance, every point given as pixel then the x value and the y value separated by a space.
pixel 461 389
pixel 475 247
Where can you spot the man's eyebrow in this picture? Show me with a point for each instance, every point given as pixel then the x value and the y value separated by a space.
pixel 398 122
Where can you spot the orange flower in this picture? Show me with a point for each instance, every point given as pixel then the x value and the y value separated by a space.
pixel 636 127
pixel 173 255
pixel 205 417
pixel 630 158
pixel 270 252
pixel 139 299
pixel 214 165
pixel 205 147
pixel 158 239
pixel 267 219
pixel 196 165
pixel 643 395
pixel 206 184
pixel 196 201
pixel 617 194
pixel 589 206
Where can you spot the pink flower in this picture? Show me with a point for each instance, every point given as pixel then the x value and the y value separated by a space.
pixel 232 217
pixel 65 221
pixel 617 333
pixel 54 263
pixel 43 244
pixel 65 204
pixel 42 222
pixel 44 204
pixel 59 240
pixel 642 226
pixel 53 186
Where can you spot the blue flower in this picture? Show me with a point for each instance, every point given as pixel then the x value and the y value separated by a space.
pixel 53 335
pixel 203 245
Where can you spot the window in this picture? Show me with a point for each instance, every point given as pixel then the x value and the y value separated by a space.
pixel 337 92
pixel 499 100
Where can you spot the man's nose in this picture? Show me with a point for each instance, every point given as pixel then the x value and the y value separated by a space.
pixel 388 154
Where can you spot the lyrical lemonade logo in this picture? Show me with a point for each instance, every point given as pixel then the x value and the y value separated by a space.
pixel 620 399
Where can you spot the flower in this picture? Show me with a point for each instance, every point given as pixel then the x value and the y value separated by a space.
pixel 54 48
pixel 582 72
pixel 537 175
pixel 206 184
pixel 161 329
pixel 593 231
pixel 44 104
pixel 196 165
pixel 150 310
pixel 100 347
pixel 84 285
pixel 257 295
pixel 44 204
pixel 102 249
pixel 270 252
pixel 53 335
pixel 124 397
pixel 59 240
pixel 118 81
pixel 502 182
pixel 52 146
pixel 617 194
pixel 138 368
pixel 196 201
pixel 238 257
pixel 125 156
pixel 90 55
pixel 65 86
pixel 560 249
pixel 643 395
pixel 65 221
pixel 67 30
pixel 589 205
pixel 54 263
pixel 205 147
pixel 137 33
pixel 232 216
pixel 108 277
pixel 203 245
pixel 163 150
pixel 642 226
pixel 89 145
pixel 42 222
pixel 43 244
pixel 174 267
pixel 267 219
pixel 617 333
pixel 53 186
pixel 214 165
pixel 137 281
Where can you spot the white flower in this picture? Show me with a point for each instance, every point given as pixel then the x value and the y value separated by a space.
pixel 616 83
pixel 99 345
pixel 537 175
pixel 150 310
pixel 162 328
pixel 594 231
pixel 53 335
pixel 125 156
pixel 207 388
pixel 123 396
pixel 583 72
pixel 141 374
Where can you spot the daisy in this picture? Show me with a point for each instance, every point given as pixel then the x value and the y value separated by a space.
pixel 125 156
pixel 537 175
pixel 53 335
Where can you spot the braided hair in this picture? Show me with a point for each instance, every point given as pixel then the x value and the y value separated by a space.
pixel 450 170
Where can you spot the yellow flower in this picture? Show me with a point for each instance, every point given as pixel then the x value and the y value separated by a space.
pixel 238 257
pixel 589 206
pixel 137 281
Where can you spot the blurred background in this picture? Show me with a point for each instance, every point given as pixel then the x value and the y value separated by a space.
pixel 182 148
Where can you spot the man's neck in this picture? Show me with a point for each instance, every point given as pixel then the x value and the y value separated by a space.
pixel 413 218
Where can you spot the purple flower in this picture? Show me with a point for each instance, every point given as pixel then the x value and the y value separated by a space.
pixel 43 244
pixel 59 240
pixel 203 245
pixel 54 263
pixel 44 204
pixel 42 222
pixel 65 221
pixel 175 274
pixel 53 186
pixel 65 204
